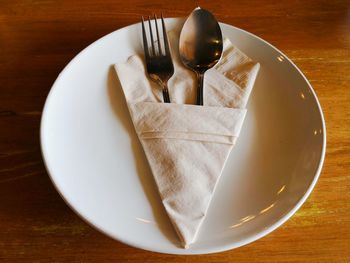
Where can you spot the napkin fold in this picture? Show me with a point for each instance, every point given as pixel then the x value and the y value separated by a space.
pixel 187 145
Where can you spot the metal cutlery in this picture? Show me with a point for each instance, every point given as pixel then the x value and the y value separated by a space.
pixel 159 63
pixel 200 45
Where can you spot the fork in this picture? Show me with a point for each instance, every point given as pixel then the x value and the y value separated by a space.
pixel 159 64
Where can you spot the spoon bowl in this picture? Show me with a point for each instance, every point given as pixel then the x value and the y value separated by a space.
pixel 200 45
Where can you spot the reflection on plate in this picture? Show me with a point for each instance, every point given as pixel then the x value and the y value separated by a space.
pixel 97 164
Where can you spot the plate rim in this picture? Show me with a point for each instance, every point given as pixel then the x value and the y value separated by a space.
pixel 215 249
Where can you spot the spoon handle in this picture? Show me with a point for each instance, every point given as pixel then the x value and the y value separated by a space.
pixel 166 95
pixel 200 89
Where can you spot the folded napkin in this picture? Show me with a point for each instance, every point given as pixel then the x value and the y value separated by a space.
pixel 187 145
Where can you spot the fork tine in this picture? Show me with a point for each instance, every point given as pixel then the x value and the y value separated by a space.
pixel 166 42
pixel 150 32
pixel 145 45
pixel 160 53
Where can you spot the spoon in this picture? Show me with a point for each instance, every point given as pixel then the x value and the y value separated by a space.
pixel 200 45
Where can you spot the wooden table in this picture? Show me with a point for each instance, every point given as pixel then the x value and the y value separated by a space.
pixel 38 38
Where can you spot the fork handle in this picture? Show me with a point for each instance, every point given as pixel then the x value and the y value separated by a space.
pixel 166 97
pixel 164 86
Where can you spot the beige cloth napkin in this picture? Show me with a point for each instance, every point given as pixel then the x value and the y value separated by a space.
pixel 187 145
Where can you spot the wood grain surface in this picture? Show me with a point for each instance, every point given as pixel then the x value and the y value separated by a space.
pixel 38 38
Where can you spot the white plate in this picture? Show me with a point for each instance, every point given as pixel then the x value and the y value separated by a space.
pixel 97 164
